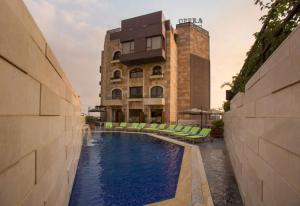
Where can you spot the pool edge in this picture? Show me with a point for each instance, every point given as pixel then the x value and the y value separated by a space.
pixel 192 188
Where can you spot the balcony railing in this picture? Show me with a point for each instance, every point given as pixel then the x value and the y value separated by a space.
pixel 157 76
pixel 109 101
pixel 154 101
pixel 115 79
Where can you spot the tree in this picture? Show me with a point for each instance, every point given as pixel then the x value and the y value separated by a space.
pixel 281 18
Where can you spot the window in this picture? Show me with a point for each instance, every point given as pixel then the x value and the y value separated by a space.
pixel 128 47
pixel 157 92
pixel 117 74
pixel 156 70
pixel 116 94
pixel 136 92
pixel 117 55
pixel 136 73
pixel 154 42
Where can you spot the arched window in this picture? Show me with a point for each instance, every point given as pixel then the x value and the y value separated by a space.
pixel 157 92
pixel 117 74
pixel 117 55
pixel 116 94
pixel 136 73
pixel 156 70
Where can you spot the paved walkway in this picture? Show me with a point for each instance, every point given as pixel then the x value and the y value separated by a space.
pixel 220 175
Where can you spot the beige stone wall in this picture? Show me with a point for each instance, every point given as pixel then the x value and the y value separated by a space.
pixel 262 130
pixel 183 45
pixel 193 76
pixel 173 81
pixel 109 66
pixel 40 122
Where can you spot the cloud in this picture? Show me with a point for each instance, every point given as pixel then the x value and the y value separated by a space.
pixel 76 42
pixel 76 29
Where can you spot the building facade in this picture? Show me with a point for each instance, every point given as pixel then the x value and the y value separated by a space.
pixel 151 71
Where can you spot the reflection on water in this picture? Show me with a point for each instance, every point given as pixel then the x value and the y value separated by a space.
pixel 222 183
pixel 126 169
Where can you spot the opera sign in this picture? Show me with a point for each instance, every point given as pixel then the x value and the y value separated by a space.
pixel 197 21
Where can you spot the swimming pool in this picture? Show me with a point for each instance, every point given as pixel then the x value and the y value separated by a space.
pixel 126 169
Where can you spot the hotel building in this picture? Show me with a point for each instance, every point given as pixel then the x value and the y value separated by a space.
pixel 151 71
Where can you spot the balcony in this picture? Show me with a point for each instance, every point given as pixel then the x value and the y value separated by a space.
pixel 157 76
pixel 115 61
pixel 154 101
pixel 115 80
pixel 135 98
pixel 143 57
pixel 112 102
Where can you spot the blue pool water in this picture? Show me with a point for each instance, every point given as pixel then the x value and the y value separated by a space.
pixel 126 169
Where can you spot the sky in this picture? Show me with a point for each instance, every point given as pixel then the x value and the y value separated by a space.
pixel 75 30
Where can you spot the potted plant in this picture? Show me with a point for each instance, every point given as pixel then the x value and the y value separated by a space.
pixel 91 121
pixel 217 129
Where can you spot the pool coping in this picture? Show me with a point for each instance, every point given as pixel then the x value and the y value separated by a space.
pixel 192 187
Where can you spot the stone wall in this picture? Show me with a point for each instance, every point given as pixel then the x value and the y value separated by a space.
pixel 40 122
pixel 261 130
pixel 193 69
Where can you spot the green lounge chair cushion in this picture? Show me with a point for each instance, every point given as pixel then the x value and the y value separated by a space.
pixel 141 126
pixel 178 128
pixel 108 125
pixel 170 128
pixel 152 126
pixel 122 125
pixel 134 126
pixel 160 127
pixel 193 131
pixel 204 133
pixel 185 130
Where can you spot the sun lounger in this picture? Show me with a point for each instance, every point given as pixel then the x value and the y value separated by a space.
pixel 122 126
pixel 152 126
pixel 203 134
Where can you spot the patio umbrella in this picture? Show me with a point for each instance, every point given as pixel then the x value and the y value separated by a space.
pixel 195 111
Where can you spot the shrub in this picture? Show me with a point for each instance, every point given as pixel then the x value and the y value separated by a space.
pixel 281 18
pixel 218 123
pixel 90 120
pixel 226 106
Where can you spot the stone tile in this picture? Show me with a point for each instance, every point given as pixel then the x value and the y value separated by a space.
pixel 41 191
pixel 254 79
pixel 51 104
pixel 268 196
pixel 252 141
pixel 287 57
pixel 25 17
pixel 295 49
pixel 283 132
pixel 14 41
pixel 254 186
pixel 262 88
pixel 237 101
pixel 57 196
pixel 285 194
pixel 265 107
pixel 18 47
pixel 283 162
pixel 17 181
pixel 54 62
pixel 49 157
pixel 20 93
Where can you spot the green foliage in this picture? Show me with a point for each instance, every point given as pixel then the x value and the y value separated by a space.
pixel 281 18
pixel 226 106
pixel 218 123
pixel 90 119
